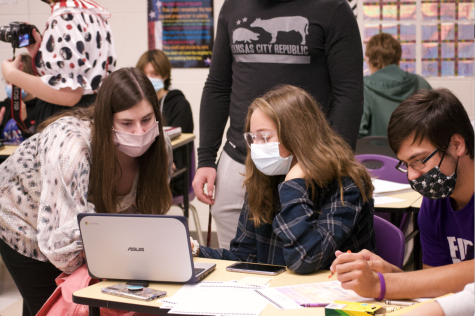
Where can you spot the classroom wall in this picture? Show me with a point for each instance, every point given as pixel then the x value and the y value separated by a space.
pixel 129 27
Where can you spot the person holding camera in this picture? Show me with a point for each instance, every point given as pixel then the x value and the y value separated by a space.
pixel 9 129
pixel 72 58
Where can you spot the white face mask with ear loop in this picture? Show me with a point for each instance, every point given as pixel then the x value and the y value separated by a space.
pixel 267 159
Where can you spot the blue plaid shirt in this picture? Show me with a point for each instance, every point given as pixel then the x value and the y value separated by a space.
pixel 304 234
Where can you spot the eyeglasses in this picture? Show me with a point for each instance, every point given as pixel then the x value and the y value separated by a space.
pixel 258 138
pixel 416 165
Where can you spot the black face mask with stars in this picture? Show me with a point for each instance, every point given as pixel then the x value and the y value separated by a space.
pixel 434 184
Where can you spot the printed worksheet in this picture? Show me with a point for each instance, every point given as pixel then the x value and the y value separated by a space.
pixel 290 297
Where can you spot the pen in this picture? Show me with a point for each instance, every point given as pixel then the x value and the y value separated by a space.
pixel 331 272
pixel 401 303
pixel 315 304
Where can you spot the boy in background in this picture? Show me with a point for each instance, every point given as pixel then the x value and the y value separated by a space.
pixel 387 86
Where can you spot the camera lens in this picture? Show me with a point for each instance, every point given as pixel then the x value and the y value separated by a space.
pixel 5 34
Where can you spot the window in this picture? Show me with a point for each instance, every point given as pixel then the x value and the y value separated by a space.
pixel 436 36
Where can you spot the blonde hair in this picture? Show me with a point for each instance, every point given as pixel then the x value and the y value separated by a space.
pixel 303 130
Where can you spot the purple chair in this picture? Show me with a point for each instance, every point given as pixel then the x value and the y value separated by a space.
pixel 390 242
pixel 383 167
pixel 178 200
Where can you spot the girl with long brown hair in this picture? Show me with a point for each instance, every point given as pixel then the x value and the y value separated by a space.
pixel 113 157
pixel 306 195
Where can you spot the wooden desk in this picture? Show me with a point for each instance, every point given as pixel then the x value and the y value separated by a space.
pixel 409 199
pixel 92 295
pixel 6 151
pixel 417 203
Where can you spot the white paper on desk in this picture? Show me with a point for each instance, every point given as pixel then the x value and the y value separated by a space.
pixel 259 281
pixel 379 200
pixel 290 297
pixel 225 299
pixel 383 187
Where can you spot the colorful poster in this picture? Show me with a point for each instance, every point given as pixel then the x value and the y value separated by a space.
pixel 183 30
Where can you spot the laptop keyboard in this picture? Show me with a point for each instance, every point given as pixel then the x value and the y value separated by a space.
pixel 198 270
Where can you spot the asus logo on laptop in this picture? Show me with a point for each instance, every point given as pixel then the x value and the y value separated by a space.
pixel 135 249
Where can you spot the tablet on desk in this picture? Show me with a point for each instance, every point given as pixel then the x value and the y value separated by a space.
pixel 256 268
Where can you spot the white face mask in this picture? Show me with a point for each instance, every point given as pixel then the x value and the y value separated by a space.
pixel 267 159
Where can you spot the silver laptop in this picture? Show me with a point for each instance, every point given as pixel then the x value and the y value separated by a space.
pixel 154 248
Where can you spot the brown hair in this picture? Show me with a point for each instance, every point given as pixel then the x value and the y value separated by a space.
pixel 120 91
pixel 435 115
pixel 304 131
pixel 26 60
pixel 383 50
pixel 160 64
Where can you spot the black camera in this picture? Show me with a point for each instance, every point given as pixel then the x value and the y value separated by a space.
pixel 18 33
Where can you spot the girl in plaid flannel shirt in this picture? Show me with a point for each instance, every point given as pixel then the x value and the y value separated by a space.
pixel 307 200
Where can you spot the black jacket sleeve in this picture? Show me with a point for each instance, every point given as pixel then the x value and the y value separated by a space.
pixel 214 109
pixel 344 56
pixel 177 112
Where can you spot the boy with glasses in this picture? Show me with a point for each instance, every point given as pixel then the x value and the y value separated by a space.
pixel 434 140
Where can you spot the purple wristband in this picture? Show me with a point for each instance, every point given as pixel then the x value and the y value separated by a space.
pixel 383 287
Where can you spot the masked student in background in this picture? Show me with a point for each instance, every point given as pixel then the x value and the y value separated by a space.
pixel 110 158
pixel 9 130
pixel 71 60
pixel 306 195
pixel 175 108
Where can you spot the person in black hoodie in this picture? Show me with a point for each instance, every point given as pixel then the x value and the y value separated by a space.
pixel 8 128
pixel 176 110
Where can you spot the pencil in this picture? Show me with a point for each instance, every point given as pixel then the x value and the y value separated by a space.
pixel 331 272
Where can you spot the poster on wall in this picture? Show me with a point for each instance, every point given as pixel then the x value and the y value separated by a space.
pixel 183 30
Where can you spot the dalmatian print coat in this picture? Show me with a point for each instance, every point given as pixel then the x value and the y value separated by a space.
pixel 77 49
pixel 43 186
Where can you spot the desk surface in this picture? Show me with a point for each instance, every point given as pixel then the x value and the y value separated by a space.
pixel 220 274
pixel 184 138
pixel 8 150
pixel 410 198
pixel 417 203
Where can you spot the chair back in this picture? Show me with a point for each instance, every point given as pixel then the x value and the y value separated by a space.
pixel 383 167
pixel 191 173
pixel 378 145
pixel 390 242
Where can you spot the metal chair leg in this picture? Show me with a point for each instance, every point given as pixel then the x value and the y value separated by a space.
pixel 210 219
pixel 197 224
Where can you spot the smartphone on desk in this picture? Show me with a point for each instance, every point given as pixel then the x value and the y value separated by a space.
pixel 122 289
pixel 256 268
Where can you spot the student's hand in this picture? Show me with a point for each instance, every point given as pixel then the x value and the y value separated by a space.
pixel 10 66
pixel 174 167
pixel 355 274
pixel 204 176
pixel 295 172
pixel 375 262
pixel 2 113
pixel 33 48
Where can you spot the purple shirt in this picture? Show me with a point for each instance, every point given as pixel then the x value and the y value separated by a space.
pixel 447 236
